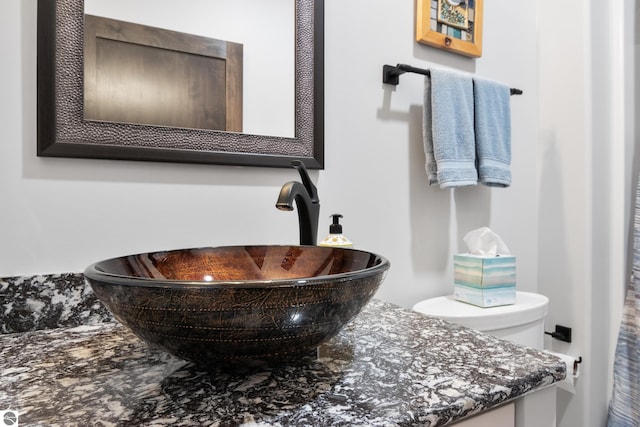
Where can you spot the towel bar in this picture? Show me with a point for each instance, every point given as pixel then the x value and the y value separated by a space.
pixel 391 75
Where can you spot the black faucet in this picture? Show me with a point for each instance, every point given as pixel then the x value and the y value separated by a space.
pixel 306 197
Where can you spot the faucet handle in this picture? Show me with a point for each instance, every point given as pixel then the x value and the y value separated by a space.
pixel 306 180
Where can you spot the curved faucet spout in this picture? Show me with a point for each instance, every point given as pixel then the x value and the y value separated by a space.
pixel 307 202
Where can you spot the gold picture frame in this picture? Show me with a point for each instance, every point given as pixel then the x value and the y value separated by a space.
pixel 453 25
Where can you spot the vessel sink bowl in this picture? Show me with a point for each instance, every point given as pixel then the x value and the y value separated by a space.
pixel 234 303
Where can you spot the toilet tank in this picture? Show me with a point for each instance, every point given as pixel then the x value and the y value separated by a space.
pixel 522 322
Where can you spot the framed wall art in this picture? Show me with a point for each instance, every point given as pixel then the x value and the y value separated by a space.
pixel 454 25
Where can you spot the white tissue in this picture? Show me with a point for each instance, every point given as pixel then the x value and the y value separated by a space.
pixel 573 372
pixel 484 242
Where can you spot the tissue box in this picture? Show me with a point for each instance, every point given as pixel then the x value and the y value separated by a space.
pixel 485 281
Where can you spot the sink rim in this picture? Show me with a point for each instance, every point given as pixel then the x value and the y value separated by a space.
pixel 94 273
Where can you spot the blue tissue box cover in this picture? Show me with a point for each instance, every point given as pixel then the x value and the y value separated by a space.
pixel 485 281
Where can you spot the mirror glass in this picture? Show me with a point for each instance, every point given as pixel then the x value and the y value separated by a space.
pixel 266 31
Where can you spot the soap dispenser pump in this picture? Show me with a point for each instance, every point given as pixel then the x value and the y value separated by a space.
pixel 335 237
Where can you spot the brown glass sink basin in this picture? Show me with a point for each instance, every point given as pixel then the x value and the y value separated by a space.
pixel 238 302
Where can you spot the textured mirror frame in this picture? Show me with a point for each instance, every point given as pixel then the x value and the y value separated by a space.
pixel 63 132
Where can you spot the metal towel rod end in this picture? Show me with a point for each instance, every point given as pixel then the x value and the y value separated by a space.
pixel 391 75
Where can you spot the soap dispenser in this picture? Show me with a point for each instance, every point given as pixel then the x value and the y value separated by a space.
pixel 335 237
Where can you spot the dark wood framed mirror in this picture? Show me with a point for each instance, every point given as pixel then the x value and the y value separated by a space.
pixel 64 132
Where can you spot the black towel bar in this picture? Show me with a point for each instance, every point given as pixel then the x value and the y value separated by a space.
pixel 391 75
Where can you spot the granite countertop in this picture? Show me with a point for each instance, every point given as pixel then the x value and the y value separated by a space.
pixel 389 366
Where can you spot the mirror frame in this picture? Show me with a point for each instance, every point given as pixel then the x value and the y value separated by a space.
pixel 63 132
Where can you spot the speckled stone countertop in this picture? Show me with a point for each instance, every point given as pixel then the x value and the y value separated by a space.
pixel 29 303
pixel 390 366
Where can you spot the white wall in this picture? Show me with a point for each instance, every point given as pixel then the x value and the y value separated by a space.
pixel 585 184
pixel 375 160
pixel 565 187
pixel 60 215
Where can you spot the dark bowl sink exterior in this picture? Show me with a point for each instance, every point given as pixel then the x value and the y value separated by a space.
pixel 238 302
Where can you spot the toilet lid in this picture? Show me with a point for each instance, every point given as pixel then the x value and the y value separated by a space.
pixel 529 307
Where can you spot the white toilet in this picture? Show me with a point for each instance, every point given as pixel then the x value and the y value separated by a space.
pixel 522 322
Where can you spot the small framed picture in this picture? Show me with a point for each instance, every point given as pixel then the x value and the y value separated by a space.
pixel 454 25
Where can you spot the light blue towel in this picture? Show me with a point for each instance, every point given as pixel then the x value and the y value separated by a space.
pixel 448 133
pixel 493 132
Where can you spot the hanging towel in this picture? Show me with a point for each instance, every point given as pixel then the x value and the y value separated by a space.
pixel 449 143
pixel 493 132
pixel 624 408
